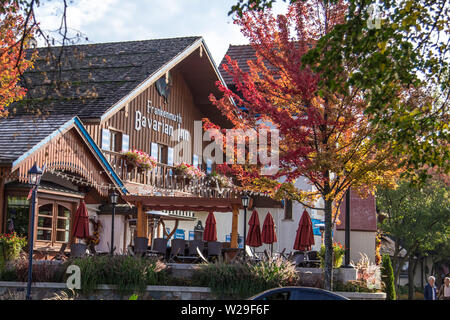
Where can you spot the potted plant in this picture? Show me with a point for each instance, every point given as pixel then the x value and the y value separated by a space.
pixel 187 171
pixel 140 160
pixel 221 180
pixel 10 246
pixel 338 255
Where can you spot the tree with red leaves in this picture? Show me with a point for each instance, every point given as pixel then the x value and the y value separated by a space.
pixel 325 137
pixel 14 40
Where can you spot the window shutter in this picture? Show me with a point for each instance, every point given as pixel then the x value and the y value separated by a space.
pixel 125 142
pixel 154 151
pixel 170 156
pixel 106 139
pixel 288 209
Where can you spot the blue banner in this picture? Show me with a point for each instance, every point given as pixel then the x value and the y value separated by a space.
pixel 316 229
pixel 179 234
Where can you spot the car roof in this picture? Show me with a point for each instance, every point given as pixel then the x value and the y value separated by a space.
pixel 309 289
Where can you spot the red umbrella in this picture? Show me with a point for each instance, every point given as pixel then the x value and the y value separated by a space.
pixel 210 233
pixel 81 222
pixel 254 233
pixel 268 230
pixel 305 237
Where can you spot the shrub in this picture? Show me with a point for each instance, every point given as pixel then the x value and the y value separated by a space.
pixel 368 273
pixel 128 273
pixel 387 276
pixel 352 286
pixel 338 255
pixel 42 272
pixel 10 246
pixel 240 280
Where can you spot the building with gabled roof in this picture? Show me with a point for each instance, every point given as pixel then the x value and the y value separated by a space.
pixel 88 104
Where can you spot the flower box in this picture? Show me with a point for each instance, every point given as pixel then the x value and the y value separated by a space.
pixel 188 172
pixel 140 160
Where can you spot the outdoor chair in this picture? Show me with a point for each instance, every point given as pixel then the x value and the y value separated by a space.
pixel 194 247
pixel 159 248
pixel 130 251
pixel 253 257
pixel 299 258
pixel 214 249
pixel 178 251
pixel 61 254
pixel 200 254
pixel 92 250
pixel 313 259
pixel 140 245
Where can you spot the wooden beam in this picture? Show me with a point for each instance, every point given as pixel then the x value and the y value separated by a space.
pixel 140 220
pixel 234 227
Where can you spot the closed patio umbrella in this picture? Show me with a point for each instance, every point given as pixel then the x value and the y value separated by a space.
pixel 268 231
pixel 210 233
pixel 305 237
pixel 254 233
pixel 81 222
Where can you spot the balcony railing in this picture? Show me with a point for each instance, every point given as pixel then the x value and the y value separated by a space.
pixel 163 177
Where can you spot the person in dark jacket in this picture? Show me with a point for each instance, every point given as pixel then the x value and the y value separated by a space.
pixel 430 289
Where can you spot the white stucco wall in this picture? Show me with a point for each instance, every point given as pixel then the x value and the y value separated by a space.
pixel 360 242
pixel 119 233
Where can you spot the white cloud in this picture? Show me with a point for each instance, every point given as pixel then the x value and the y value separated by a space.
pixel 115 20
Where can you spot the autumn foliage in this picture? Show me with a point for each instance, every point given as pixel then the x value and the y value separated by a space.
pixel 324 136
pixel 14 40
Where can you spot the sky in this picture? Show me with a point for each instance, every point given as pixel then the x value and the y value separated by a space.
pixel 118 20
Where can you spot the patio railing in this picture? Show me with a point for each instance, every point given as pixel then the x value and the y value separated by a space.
pixel 163 177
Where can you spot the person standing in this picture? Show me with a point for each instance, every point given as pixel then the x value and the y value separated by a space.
pixel 430 289
pixel 444 292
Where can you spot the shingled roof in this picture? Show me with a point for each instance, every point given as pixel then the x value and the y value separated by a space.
pixel 240 53
pixel 19 134
pixel 94 76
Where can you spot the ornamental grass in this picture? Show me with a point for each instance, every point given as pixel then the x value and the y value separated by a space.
pixel 129 274
pixel 241 280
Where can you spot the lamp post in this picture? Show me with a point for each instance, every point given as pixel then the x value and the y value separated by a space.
pixel 245 201
pixel 113 197
pixel 347 230
pixel 34 179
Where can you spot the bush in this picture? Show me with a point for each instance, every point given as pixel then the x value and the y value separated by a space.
pixel 10 247
pixel 42 272
pixel 387 276
pixel 338 255
pixel 128 273
pixel 241 280
pixel 352 286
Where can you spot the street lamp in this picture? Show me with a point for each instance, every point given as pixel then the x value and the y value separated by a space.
pixel 34 179
pixel 114 198
pixel 245 202
pixel 347 230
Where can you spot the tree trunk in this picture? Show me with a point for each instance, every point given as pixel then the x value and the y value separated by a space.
pixel 411 268
pixel 328 271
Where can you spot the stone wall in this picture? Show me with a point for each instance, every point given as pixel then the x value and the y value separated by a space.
pixel 48 290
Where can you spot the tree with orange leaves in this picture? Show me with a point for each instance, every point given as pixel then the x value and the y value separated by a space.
pixel 14 40
pixel 325 137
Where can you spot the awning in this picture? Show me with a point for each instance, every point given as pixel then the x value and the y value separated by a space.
pixel 159 203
